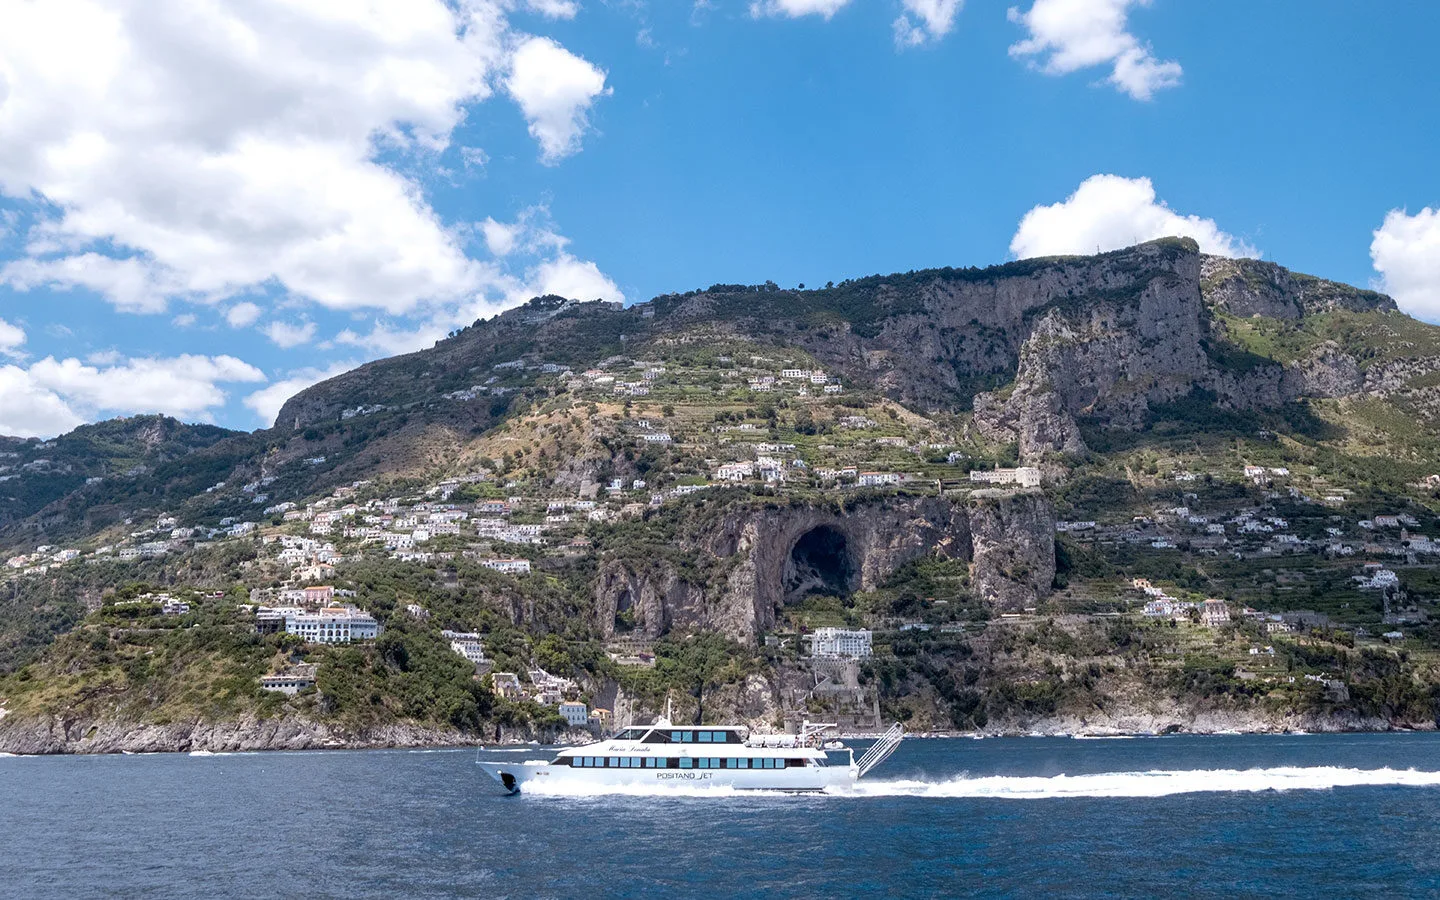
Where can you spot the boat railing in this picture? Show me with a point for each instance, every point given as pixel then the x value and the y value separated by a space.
pixel 811 735
pixel 880 750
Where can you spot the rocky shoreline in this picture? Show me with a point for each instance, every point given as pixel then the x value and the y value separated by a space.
pixel 43 737
pixel 54 736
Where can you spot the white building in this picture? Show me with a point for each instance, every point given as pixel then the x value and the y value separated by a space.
pixel 508 566
pixel 736 471
pixel 1025 476
pixel 1214 613
pixel 286 684
pixel 469 646
pixel 878 479
pixel 336 625
pixel 841 642
pixel 576 714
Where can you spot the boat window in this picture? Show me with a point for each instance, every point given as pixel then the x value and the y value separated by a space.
pixel 686 762
pixel 792 763
pixel 657 737
pixel 705 736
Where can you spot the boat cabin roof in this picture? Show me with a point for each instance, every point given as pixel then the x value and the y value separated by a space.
pixel 669 734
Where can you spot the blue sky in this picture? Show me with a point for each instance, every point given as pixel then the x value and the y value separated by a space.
pixel 202 211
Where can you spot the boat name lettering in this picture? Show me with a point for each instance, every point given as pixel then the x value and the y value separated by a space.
pixel 686 776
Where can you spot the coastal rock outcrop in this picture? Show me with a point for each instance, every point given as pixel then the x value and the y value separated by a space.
pixel 775 555
pixel 1013 548
pixel 117 735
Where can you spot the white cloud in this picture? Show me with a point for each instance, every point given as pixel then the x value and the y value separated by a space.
pixel 562 275
pixel 242 314
pixel 131 284
pixel 286 335
pixel 184 320
pixel 29 410
pixel 1108 212
pixel 384 339
pixel 267 401
pixel 500 239
pixel 555 9
pixel 198 151
pixel 555 90
pixel 566 276
pixel 1069 35
pixel 1406 252
pixel 12 338
pixel 794 9
pixel 53 396
pixel 936 18
pixel 181 386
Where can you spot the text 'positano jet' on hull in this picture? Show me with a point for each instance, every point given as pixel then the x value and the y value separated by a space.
pixel 711 756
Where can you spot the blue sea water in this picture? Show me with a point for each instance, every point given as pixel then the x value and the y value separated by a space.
pixel 1275 816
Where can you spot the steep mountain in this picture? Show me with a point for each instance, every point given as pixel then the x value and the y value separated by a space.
pixel 707 477
pixel 34 473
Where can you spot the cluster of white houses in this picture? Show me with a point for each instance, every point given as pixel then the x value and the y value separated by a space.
pixel 1213 613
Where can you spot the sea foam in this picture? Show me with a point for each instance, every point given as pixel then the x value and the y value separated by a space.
pixel 1021 787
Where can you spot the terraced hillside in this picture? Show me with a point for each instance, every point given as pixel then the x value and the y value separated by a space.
pixel 1025 482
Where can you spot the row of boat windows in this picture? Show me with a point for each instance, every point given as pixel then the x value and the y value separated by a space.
pixel 690 736
pixel 681 762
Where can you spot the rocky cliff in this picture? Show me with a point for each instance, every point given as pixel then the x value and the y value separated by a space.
pixel 775 555
pixel 1251 287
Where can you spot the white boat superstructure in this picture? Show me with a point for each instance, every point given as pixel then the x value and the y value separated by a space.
pixel 703 756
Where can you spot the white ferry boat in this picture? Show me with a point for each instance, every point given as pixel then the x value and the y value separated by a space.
pixel 701 755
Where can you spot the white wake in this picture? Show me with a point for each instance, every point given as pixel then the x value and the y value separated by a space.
pixel 1011 787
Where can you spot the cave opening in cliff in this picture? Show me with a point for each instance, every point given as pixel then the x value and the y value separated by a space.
pixel 819 563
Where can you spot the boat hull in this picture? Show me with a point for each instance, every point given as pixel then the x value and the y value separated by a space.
pixel 519 777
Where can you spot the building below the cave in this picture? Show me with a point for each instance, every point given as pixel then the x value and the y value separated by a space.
pixel 838 643
pixel 1025 476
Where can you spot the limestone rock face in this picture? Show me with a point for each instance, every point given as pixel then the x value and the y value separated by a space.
pixel 1107 356
pixel 1250 287
pixel 658 598
pixel 1326 372
pixel 1013 540
pixel 773 555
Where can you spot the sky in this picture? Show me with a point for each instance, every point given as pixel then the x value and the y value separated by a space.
pixel 207 206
